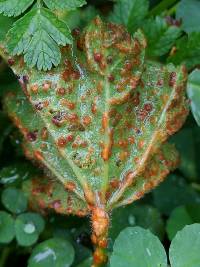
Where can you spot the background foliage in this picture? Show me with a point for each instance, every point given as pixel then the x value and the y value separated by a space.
pixel 149 229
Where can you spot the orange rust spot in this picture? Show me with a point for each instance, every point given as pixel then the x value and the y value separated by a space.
pixel 99 257
pixel 71 186
pixel 131 140
pixel 44 134
pixel 94 108
pixel 100 221
pixel 105 121
pixel 34 88
pixel 46 86
pixel 114 183
pixel 141 144
pixel 61 142
pixel 61 91
pixel 87 120
pixel 68 104
pixel 38 155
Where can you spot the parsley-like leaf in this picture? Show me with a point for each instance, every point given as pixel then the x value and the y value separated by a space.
pixel 60 4
pixel 160 36
pixel 130 13
pixel 187 51
pixel 38 35
pixel 14 8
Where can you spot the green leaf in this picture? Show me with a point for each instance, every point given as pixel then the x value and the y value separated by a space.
pixel 14 200
pixel 39 35
pixel 160 36
pixel 187 51
pixel 16 173
pixel 85 263
pixel 137 247
pixel 188 12
pixel 136 215
pixel 7 230
pixel 68 5
pixel 14 8
pixel 98 97
pixel 193 91
pixel 6 24
pixel 187 143
pixel 131 13
pixel 184 249
pixel 54 252
pixel 172 193
pixel 180 217
pixel 28 227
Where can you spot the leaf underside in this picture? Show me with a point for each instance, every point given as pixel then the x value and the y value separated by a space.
pixel 99 122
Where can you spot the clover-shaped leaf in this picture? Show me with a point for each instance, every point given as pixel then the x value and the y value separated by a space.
pixel 54 252
pixel 28 227
pixel 14 200
pixel 7 230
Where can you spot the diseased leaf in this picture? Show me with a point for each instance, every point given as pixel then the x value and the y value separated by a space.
pixel 14 8
pixel 187 51
pixel 39 33
pixel 67 4
pixel 130 13
pixel 94 126
pixel 188 12
pixel 160 36
pixel 193 91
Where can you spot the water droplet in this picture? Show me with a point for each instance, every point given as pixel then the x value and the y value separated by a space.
pixel 131 220
pixel 29 228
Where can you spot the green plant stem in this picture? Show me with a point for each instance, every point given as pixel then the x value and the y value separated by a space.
pixel 4 255
pixel 162 6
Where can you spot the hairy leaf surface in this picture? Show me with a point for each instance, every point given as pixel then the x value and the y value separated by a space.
pixel 99 122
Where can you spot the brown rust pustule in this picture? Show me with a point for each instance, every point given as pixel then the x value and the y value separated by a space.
pixel 100 225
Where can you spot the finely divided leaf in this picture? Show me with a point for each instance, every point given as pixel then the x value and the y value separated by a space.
pixel 160 36
pixel 64 4
pixel 187 51
pixel 39 34
pixel 14 8
pixel 130 13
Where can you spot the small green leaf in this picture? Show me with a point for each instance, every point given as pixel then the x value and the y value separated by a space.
pixel 28 227
pixel 60 4
pixel 182 216
pixel 5 23
pixel 188 12
pixel 39 44
pixel 187 143
pixel 54 252
pixel 7 230
pixel 130 13
pixel 85 263
pixel 140 215
pixel 14 200
pixel 16 173
pixel 187 51
pixel 14 8
pixel 184 249
pixel 137 247
pixel 174 192
pixel 193 91
pixel 160 36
